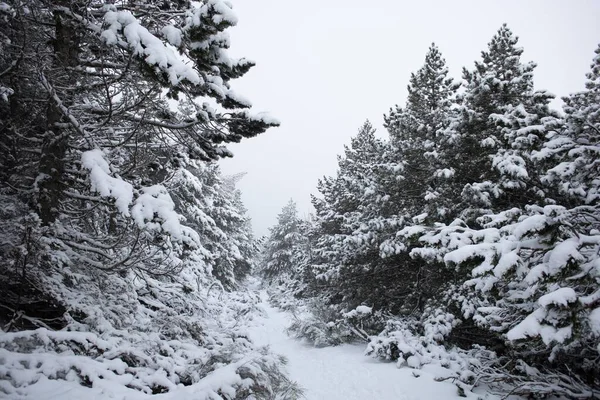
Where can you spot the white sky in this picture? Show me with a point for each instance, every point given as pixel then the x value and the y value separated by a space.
pixel 324 67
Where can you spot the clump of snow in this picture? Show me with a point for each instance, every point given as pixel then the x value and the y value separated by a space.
pixel 445 173
pixel 263 117
pixel 530 225
pixel 172 34
pixel 223 12
pixel 560 297
pixel 105 184
pixel 5 93
pixel 359 311
pixel 5 8
pixel 155 202
pixel 533 326
pixel 563 253
pixel 154 209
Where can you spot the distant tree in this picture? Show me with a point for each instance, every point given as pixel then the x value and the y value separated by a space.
pixel 241 232
pixel 211 205
pixel 283 246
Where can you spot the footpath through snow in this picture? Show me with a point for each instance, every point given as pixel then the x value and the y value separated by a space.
pixel 343 372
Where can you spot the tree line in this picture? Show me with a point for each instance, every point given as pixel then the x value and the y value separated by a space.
pixel 476 224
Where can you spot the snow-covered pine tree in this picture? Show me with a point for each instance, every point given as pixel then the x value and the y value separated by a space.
pixel 414 179
pixel 349 224
pixel 415 138
pixel 83 169
pixel 484 162
pixel 576 175
pixel 557 280
pixel 501 120
pixel 240 231
pixel 230 220
pixel 283 247
pixel 298 282
pixel 304 283
pixel 211 205
pixel 529 270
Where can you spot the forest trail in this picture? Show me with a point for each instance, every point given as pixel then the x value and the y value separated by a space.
pixel 343 372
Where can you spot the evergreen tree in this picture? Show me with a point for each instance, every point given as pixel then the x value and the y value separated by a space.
pixel 245 241
pixel 350 224
pixel 211 205
pixel 85 171
pixel 526 274
pixel 475 226
pixel 415 136
pixel 563 313
pixel 282 249
pixel 501 121
pixel 414 177
pixel 576 149
pixel 113 222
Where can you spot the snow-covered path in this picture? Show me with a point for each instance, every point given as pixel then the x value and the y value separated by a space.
pixel 343 372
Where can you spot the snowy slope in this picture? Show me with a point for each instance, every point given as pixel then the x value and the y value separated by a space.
pixel 343 372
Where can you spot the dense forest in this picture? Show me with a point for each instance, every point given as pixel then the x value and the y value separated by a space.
pixel 469 239
pixel 121 242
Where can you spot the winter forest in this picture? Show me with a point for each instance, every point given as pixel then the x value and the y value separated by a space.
pixel 456 256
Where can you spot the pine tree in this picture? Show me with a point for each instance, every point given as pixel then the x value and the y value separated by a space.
pixel 113 224
pixel 245 241
pixel 430 92
pixel 527 275
pixel 414 178
pixel 415 138
pixel 492 243
pixel 560 284
pixel 350 223
pixel 576 147
pixel 211 205
pixel 102 108
pixel 501 121
pixel 126 91
pixel 283 246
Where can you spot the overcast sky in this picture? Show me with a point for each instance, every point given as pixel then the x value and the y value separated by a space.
pixel 324 67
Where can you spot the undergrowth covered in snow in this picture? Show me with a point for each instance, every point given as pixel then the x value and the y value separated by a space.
pixel 140 336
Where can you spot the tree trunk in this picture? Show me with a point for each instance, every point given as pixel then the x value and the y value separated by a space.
pixel 54 148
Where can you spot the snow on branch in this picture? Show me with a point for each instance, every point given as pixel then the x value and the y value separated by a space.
pixel 123 24
pixel 103 183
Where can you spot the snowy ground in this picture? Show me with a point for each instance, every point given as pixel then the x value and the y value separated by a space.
pixel 343 372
